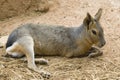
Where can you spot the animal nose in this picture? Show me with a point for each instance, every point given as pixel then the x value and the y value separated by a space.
pixel 103 43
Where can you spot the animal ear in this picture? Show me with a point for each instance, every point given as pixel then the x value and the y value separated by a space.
pixel 98 14
pixel 88 20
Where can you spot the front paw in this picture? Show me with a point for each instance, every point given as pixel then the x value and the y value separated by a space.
pixel 43 73
pixel 41 61
pixel 92 55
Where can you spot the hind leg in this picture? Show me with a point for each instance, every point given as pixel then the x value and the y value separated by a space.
pixel 27 46
pixel 13 51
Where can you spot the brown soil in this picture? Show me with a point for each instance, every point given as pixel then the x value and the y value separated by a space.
pixel 70 13
pixel 10 8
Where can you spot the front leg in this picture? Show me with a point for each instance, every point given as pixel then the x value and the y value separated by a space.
pixel 94 52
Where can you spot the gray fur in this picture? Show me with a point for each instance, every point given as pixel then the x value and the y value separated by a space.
pixel 31 39
pixel 56 40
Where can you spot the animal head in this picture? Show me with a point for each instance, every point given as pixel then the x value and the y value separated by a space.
pixel 94 30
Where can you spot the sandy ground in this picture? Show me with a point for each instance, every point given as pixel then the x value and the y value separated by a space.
pixel 70 13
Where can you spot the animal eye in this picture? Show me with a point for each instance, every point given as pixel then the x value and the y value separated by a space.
pixel 94 32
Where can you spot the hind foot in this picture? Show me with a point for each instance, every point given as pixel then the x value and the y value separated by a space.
pixel 43 73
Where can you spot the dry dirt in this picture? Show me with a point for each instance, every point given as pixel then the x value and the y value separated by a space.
pixel 70 13
pixel 10 8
